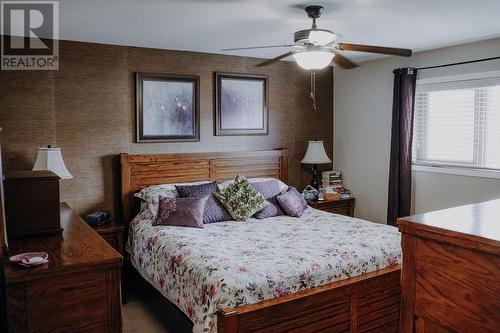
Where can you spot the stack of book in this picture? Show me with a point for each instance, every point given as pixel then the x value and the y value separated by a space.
pixel 332 182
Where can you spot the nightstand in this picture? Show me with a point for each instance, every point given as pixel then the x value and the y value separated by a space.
pixel 343 207
pixel 112 232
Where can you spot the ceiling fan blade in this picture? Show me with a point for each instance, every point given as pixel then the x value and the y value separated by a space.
pixel 374 49
pixel 270 61
pixel 343 61
pixel 257 47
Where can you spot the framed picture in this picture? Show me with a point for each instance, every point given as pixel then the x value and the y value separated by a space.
pixel 241 104
pixel 167 108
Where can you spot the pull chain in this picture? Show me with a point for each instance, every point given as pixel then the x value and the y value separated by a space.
pixel 313 90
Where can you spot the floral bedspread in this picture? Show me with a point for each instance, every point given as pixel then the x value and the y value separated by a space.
pixel 229 264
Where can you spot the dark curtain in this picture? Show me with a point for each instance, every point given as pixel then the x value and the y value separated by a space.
pixel 401 140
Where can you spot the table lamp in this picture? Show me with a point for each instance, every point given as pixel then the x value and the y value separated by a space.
pixel 50 158
pixel 315 155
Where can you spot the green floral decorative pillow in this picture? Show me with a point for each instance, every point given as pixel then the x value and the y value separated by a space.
pixel 241 199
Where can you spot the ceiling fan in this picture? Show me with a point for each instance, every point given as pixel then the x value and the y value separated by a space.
pixel 315 48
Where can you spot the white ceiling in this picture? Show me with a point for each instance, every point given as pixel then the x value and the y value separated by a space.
pixel 210 25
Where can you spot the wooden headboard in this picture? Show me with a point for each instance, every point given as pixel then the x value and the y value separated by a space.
pixel 140 171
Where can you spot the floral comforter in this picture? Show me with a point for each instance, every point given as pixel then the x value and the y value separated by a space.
pixel 229 264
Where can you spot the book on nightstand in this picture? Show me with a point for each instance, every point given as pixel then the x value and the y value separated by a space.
pixel 332 183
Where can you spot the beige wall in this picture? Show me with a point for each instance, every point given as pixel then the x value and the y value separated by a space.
pixel 87 108
pixel 362 125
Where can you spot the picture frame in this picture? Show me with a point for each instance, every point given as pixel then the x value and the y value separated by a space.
pixel 167 108
pixel 241 104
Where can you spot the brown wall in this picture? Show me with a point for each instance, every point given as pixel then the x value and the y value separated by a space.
pixel 87 109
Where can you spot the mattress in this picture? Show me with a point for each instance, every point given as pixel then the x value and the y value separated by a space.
pixel 229 264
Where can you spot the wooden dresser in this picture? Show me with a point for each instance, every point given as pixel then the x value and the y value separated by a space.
pixel 78 290
pixel 451 270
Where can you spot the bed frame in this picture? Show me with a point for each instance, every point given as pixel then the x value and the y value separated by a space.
pixel 367 303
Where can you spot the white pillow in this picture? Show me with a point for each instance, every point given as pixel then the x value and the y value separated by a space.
pixel 283 187
pixel 150 195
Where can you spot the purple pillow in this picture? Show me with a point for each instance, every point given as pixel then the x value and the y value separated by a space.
pixel 270 189
pixel 272 209
pixel 292 202
pixel 214 211
pixel 181 212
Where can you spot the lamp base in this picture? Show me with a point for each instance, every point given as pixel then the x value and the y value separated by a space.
pixel 315 179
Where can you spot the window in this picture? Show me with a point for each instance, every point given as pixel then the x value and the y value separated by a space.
pixel 457 123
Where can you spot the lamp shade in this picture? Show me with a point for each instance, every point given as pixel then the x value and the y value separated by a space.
pixel 50 158
pixel 315 154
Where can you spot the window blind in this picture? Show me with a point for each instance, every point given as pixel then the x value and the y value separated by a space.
pixel 457 124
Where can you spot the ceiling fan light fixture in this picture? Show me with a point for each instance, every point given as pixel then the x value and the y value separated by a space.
pixel 321 37
pixel 317 59
pixel 315 48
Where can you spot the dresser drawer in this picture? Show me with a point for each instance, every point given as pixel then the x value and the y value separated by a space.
pixel 338 210
pixel 89 285
pixel 342 207
pixel 77 303
pixel 461 275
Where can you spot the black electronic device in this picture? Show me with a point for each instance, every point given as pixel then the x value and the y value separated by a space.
pixel 98 218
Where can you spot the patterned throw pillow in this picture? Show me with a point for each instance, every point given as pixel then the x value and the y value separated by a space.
pixel 214 211
pixel 292 202
pixel 150 196
pixel 270 189
pixel 181 212
pixel 241 199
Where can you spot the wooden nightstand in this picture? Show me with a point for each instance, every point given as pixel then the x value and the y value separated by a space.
pixel 112 232
pixel 343 207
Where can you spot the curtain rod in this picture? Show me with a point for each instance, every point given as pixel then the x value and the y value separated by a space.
pixel 458 63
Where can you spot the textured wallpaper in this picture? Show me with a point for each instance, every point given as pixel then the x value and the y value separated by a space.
pixel 88 109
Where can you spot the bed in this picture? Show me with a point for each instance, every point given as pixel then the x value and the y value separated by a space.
pixel 321 272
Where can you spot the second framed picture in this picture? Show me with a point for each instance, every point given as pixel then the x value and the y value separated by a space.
pixel 241 104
